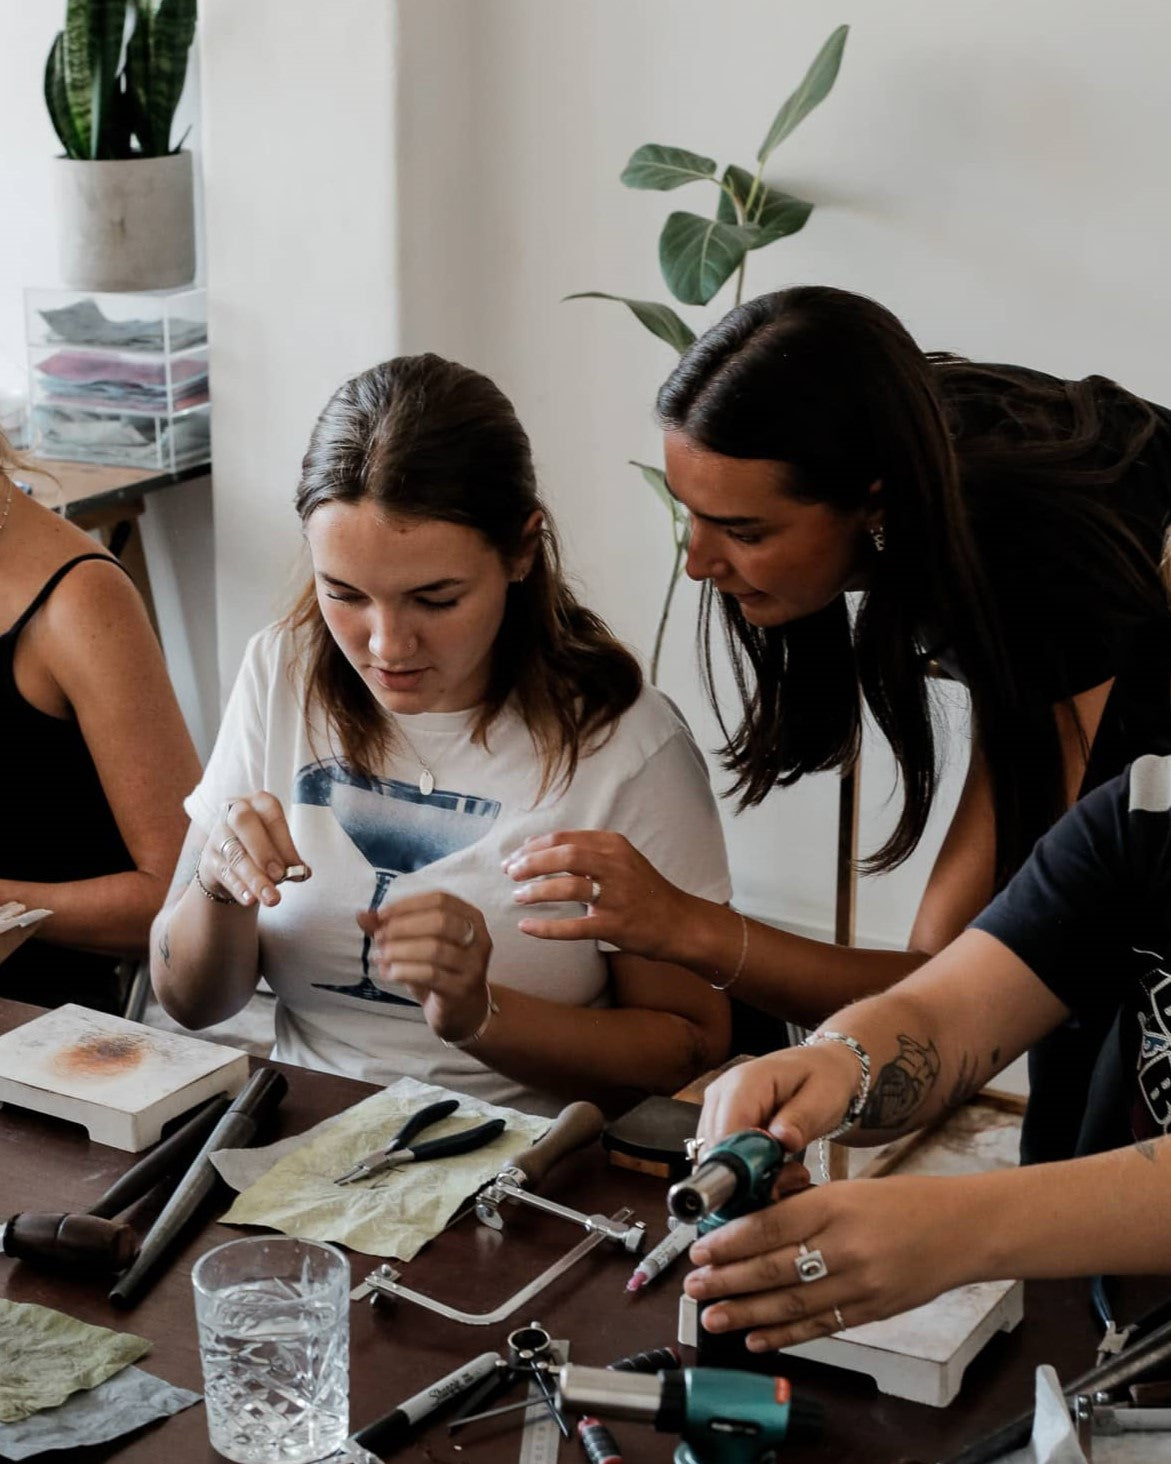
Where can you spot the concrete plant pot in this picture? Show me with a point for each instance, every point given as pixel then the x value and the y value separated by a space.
pixel 126 223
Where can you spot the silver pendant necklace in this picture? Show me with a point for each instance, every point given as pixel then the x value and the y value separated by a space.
pixel 427 776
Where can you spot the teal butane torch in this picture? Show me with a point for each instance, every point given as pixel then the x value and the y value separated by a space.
pixel 721 1416
pixel 737 1175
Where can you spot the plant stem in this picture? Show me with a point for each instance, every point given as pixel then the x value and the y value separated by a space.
pixel 680 546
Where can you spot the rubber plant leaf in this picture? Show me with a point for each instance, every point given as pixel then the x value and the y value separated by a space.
pixel 657 480
pixel 773 212
pixel 814 88
pixel 697 255
pixel 57 100
pixel 662 168
pixel 660 320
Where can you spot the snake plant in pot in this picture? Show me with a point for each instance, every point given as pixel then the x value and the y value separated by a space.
pixel 113 80
pixel 699 254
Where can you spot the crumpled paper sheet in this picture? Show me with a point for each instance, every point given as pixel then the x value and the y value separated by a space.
pixel 1054 1438
pixel 118 1406
pixel 48 1355
pixel 394 1214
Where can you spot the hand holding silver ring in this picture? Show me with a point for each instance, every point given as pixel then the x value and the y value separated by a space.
pixel 595 892
pixel 809 1264
pixel 469 934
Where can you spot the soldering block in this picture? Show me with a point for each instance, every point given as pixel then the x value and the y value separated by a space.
pixel 121 1080
pixel 921 1354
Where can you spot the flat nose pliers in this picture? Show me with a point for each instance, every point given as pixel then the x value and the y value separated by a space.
pixel 400 1150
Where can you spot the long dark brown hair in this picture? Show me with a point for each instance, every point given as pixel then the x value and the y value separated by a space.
pixel 832 385
pixel 428 439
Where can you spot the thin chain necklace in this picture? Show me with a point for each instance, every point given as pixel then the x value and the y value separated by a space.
pixel 427 776
pixel 7 504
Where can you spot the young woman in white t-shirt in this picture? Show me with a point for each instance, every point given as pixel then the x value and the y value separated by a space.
pixel 436 696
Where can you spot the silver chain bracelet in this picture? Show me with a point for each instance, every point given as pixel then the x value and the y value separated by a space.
pixel 862 1092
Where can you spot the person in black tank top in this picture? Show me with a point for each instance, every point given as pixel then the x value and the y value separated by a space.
pixel 82 824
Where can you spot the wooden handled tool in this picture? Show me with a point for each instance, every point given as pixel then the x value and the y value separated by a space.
pixel 575 1126
pixel 94 1242
pixel 74 1242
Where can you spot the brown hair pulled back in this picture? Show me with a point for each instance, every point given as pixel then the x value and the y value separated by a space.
pixel 426 438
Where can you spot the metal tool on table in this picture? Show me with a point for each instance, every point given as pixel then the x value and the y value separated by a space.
pixel 238 1126
pixel 736 1176
pixel 512 1183
pixel 1098 1414
pixel 575 1126
pixel 532 1357
pixel 1148 1351
pixel 93 1241
pixel 400 1150
pixel 722 1416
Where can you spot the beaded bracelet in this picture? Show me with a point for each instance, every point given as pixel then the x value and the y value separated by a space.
pixel 858 1101
pixel 211 894
pixel 462 1042
pixel 736 974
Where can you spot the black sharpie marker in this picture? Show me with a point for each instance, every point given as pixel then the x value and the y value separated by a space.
pixel 397 1428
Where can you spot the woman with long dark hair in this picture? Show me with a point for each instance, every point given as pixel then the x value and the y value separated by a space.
pixel 1002 527
pixel 436 696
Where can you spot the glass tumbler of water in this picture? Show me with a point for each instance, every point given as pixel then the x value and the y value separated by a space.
pixel 274 1341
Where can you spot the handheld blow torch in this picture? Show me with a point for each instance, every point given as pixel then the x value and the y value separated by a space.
pixel 736 1177
pixel 721 1416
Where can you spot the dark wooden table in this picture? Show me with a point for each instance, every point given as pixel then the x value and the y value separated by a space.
pixel 397 1348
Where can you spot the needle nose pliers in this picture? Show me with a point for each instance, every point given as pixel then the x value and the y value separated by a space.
pixel 400 1150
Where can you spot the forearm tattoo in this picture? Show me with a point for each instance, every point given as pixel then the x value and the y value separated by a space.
pixel 967 1082
pixel 1146 1147
pixel 902 1086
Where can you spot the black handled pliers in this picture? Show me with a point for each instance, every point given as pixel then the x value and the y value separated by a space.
pixel 401 1151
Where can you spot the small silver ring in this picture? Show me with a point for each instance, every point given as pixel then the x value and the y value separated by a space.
pixel 810 1265
pixel 841 1321
pixel 595 892
pixel 231 839
pixel 469 935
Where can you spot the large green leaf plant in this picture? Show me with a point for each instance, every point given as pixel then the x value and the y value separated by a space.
pixel 698 255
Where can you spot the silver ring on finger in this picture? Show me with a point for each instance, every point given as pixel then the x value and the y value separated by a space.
pixel 230 842
pixel 469 935
pixel 839 1319
pixel 595 892
pixel 809 1264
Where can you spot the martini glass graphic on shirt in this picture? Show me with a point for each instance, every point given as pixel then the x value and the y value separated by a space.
pixel 398 829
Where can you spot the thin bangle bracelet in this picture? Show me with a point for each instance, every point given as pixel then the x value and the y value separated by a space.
pixel 463 1042
pixel 736 974
pixel 211 894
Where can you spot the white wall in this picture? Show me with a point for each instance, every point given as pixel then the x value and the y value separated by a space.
pixel 299 168
pixel 994 173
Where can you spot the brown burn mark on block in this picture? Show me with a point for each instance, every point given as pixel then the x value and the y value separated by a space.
pixel 102 1054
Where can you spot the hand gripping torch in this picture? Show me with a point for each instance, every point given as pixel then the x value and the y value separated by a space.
pixel 721 1416
pixel 737 1176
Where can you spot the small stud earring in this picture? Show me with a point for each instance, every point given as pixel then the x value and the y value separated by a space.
pixel 878 538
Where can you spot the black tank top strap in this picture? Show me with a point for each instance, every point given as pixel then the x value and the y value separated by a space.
pixel 51 584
